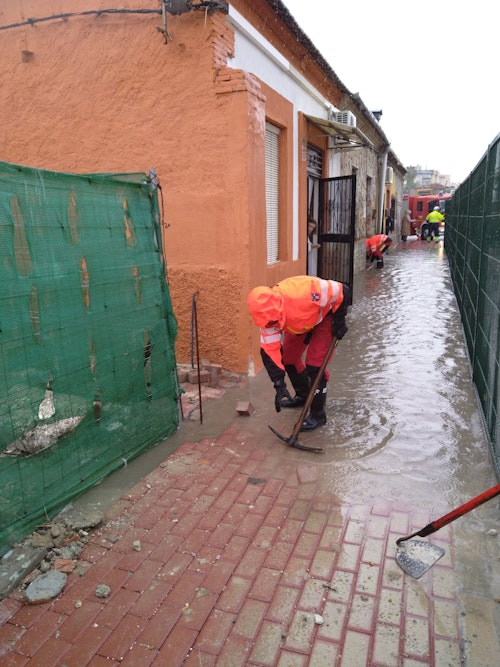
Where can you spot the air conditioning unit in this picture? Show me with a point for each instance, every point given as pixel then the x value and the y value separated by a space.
pixel 389 175
pixel 344 117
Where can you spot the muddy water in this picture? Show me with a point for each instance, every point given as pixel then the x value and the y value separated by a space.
pixel 403 425
pixel 403 418
pixel 403 415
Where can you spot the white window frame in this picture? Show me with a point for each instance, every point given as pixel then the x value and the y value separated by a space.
pixel 272 192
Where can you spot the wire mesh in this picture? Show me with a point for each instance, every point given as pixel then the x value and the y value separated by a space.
pixel 87 333
pixel 472 242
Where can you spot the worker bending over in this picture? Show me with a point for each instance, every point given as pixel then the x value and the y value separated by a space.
pixel 375 247
pixel 299 314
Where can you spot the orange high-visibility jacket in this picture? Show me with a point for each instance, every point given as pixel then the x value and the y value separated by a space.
pixel 375 245
pixel 296 304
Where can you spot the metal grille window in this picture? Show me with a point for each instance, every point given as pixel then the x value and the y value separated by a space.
pixel 314 161
pixel 272 192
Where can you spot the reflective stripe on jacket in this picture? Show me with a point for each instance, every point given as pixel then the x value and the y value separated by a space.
pixel 307 301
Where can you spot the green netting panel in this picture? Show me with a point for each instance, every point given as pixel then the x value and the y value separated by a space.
pixel 472 243
pixel 87 333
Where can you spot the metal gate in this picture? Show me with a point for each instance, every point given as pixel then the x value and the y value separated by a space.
pixel 336 228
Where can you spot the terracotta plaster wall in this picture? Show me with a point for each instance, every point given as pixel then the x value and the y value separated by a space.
pixel 90 94
pixel 105 93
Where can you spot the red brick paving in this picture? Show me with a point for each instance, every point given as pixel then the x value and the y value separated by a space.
pixel 240 547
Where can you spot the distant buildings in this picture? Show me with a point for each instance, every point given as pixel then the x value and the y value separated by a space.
pixel 427 182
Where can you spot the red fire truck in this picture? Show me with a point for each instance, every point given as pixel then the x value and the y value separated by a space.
pixel 421 205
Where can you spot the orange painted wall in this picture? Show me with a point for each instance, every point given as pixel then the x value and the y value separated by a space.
pixel 105 93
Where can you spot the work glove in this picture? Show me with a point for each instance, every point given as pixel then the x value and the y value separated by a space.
pixel 281 394
pixel 380 263
pixel 339 327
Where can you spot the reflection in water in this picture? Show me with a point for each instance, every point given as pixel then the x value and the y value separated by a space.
pixel 403 416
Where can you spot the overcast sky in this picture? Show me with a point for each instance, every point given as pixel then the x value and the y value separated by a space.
pixel 431 66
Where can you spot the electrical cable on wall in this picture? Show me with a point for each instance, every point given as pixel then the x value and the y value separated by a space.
pixel 209 6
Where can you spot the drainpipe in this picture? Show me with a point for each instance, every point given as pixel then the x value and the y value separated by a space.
pixel 383 168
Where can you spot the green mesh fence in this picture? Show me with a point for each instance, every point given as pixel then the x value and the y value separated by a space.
pixel 472 241
pixel 87 332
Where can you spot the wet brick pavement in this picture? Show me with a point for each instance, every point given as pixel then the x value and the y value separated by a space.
pixel 233 549
pixel 241 545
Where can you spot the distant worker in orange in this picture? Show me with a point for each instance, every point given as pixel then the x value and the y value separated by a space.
pixel 299 315
pixel 375 247
pixel 434 218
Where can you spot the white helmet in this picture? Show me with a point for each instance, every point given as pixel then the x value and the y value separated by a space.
pixel 436 208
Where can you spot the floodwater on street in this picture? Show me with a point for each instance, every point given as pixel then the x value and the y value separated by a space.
pixel 403 415
pixel 403 418
pixel 404 424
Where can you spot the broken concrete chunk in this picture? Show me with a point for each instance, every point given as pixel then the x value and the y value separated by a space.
pixel 80 520
pixel 45 587
pixel 102 591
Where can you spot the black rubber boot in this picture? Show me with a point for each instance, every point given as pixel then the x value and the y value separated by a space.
pixel 300 382
pixel 317 415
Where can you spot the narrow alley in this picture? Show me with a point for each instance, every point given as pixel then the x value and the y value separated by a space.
pixel 235 549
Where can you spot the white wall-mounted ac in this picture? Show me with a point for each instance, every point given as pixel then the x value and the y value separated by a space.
pixel 389 175
pixel 344 117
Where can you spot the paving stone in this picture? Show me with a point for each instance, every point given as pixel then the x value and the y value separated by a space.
pixel 324 654
pixel 416 633
pixel 249 618
pixel 244 408
pixel 232 572
pixel 355 649
pixel 312 596
pixel 307 473
pixel 361 613
pixel 267 644
pixel 334 619
pixel 234 595
pixel 390 608
pixel 214 632
pixel 301 632
pixel 122 637
pixel 282 605
pixel 235 652
pixel 387 645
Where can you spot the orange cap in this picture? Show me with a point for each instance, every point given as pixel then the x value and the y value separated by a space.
pixel 265 306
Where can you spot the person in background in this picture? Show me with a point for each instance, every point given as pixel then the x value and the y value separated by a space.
pixel 406 221
pixel 312 247
pixel 434 218
pixel 311 228
pixel 389 223
pixel 375 247
pixel 299 315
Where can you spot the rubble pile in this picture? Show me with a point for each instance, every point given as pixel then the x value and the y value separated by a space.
pixel 53 547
